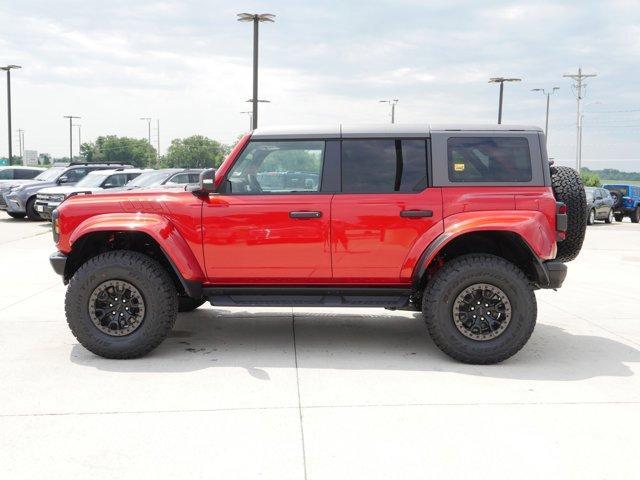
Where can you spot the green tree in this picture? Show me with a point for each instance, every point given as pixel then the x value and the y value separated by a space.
pixel 196 151
pixel 112 148
pixel 590 179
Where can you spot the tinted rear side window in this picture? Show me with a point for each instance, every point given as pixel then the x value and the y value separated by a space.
pixel 383 166
pixel 26 174
pixel 488 159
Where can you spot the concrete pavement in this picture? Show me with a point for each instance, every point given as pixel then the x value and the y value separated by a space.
pixel 320 393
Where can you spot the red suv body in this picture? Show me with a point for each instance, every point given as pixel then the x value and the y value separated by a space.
pixel 345 216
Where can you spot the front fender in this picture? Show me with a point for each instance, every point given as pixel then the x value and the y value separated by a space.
pixel 156 226
pixel 532 226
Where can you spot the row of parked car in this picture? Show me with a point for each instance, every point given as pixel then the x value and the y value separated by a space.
pixel 613 202
pixel 36 192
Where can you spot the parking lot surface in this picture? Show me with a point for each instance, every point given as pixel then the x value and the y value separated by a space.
pixel 320 393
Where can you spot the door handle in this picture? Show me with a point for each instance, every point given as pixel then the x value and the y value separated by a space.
pixel 305 214
pixel 416 213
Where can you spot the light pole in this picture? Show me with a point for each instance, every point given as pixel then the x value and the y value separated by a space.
pixel 71 117
pixel 8 69
pixel 578 86
pixel 580 125
pixel 148 120
pixel 393 108
pixel 256 18
pixel 547 94
pixel 79 136
pixel 21 140
pixel 250 119
pixel 501 81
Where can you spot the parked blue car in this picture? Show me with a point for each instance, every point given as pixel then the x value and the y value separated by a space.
pixel 626 201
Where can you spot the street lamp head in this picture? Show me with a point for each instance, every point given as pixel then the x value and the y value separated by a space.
pixel 260 17
pixel 537 89
pixel 503 79
pixel 9 67
pixel 555 88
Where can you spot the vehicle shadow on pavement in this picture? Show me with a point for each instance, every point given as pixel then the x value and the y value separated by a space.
pixel 211 338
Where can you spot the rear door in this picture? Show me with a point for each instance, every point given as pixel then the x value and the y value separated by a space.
pixel 385 206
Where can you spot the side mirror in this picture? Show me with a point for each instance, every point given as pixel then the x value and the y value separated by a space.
pixel 63 179
pixel 208 181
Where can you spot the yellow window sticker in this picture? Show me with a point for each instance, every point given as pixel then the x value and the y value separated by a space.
pixel 458 167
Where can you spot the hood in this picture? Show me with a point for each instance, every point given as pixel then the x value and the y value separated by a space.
pixel 65 189
pixel 32 186
pixel 7 184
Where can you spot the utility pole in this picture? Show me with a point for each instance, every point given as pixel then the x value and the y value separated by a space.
pixel 71 117
pixel 8 69
pixel 256 18
pixel 578 87
pixel 21 140
pixel 501 81
pixel 546 121
pixel 158 149
pixel 393 108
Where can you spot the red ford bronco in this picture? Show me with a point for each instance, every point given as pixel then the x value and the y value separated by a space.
pixel 462 223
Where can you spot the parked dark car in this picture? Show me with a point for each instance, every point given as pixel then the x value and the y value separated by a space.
pixel 599 205
pixel 164 178
pixel 626 201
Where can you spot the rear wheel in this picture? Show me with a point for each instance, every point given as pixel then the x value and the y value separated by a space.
pixel 32 214
pixel 121 304
pixel 479 309
pixel 609 218
pixel 16 215
pixel 635 216
pixel 619 217
pixel 569 189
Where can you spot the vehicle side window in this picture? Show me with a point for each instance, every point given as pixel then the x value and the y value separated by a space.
pixel 76 174
pixel 26 174
pixel 131 176
pixel 115 180
pixel 179 179
pixel 278 167
pixel 383 166
pixel 194 177
pixel 6 174
pixel 488 159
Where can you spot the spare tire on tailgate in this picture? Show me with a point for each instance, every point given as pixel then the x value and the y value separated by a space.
pixel 569 189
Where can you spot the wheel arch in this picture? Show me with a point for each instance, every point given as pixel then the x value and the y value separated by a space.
pixel 155 237
pixel 502 243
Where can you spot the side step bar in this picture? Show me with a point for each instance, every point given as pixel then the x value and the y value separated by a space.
pixel 384 297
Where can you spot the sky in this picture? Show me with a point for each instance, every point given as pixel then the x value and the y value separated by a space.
pixel 188 64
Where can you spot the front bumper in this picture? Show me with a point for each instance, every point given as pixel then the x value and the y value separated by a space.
pixel 45 208
pixel 12 203
pixel 58 262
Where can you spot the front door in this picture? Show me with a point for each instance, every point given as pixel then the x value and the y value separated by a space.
pixel 270 223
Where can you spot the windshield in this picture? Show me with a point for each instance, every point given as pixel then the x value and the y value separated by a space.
pixel 91 180
pixel 51 174
pixel 149 179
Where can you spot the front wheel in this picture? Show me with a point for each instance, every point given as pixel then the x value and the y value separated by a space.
pixel 121 304
pixel 635 216
pixel 619 217
pixel 479 309
pixel 32 214
pixel 592 217
pixel 609 218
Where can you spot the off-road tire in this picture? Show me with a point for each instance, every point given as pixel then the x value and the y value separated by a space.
pixel 16 215
pixel 188 304
pixel 32 214
pixel 153 283
pixel 635 216
pixel 569 189
pixel 616 195
pixel 610 217
pixel 619 217
pixel 458 274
